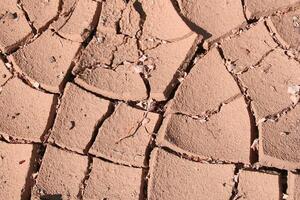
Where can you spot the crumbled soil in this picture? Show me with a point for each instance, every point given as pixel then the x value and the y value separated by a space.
pixel 149 99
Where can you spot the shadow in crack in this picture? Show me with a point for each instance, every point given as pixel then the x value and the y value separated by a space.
pixel 254 135
pixel 29 182
pixel 51 197
pixel 51 119
pixel 144 184
pixel 194 27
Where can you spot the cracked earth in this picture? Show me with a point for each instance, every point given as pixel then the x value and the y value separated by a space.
pixel 149 99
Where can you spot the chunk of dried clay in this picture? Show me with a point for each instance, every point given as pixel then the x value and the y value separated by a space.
pixel 275 149
pixel 78 25
pixel 31 111
pixel 41 12
pixel 128 141
pixel 16 165
pixel 258 8
pixel 294 186
pixel 61 172
pixel 268 83
pixel 111 181
pixel 122 83
pixel 14 29
pixel 213 18
pixel 221 137
pixel 247 49
pixel 130 21
pixel 67 7
pixel 101 50
pixel 257 185
pixel 287 28
pixel 208 84
pixel 172 177
pixel 5 75
pixel 78 115
pixel 294 91
pixel 162 21
pixel 111 14
pixel 46 60
pixel 166 59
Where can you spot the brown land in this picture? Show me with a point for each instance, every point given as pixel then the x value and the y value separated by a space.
pixel 149 99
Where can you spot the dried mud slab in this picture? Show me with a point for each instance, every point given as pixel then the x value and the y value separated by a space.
pixel 125 136
pixel 14 29
pixel 258 8
pixel 16 168
pixel 78 116
pixel 287 29
pixel 166 60
pixel 293 186
pixel 213 18
pixel 268 84
pixel 78 24
pixel 221 137
pixel 172 177
pixel 206 86
pixel 5 75
pixel 162 21
pixel 256 185
pixel 279 141
pixel 41 12
pixel 247 49
pixel 61 175
pixel 122 83
pixel 46 60
pixel 31 111
pixel 111 181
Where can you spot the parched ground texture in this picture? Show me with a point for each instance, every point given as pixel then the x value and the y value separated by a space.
pixel 149 99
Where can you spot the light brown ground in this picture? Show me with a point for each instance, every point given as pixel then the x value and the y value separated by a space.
pixel 149 99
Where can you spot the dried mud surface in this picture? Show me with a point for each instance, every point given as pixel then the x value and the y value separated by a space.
pixel 149 99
